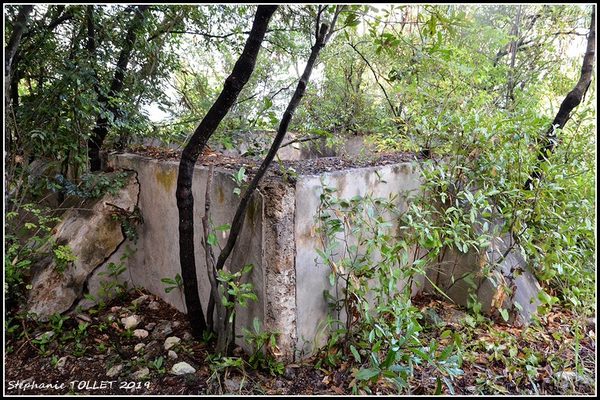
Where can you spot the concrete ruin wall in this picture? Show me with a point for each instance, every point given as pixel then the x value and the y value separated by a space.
pixel 156 253
pixel 278 238
pixel 312 276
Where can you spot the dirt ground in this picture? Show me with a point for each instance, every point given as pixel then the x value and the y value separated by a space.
pixel 81 364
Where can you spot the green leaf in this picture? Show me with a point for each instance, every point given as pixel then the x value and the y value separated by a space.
pixel 367 373
pixel 355 353
pixel 438 386
pixel 212 239
pixel 223 228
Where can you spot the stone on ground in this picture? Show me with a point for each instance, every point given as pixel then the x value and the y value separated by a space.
pixel 140 374
pixel 171 341
pixel 182 368
pixel 131 322
pixel 115 370
pixel 140 333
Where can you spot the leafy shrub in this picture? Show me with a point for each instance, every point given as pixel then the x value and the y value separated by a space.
pixel 372 317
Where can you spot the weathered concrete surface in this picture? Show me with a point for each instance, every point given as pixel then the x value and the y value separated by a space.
pixel 280 239
pixel 508 270
pixel 92 235
pixel 252 143
pixel 312 277
pixel 351 146
pixel 157 254
pixel 279 252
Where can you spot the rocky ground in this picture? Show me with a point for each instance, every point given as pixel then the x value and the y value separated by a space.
pixel 140 345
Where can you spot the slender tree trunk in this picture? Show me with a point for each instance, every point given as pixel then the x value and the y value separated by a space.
pixel 572 100
pixel 10 86
pixel 513 58
pixel 323 33
pixel 101 128
pixel 15 37
pixel 185 200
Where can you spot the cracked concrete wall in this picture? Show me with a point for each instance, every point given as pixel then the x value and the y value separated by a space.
pixel 278 238
pixel 279 253
pixel 511 272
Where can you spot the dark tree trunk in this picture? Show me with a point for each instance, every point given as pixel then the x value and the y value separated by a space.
pixel 15 37
pixel 101 128
pixel 10 86
pixel 572 100
pixel 323 33
pixel 185 200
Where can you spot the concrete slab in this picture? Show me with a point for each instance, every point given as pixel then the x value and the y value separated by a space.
pixel 312 277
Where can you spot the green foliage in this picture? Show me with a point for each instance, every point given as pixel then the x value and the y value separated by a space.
pixel 371 278
pixel 174 283
pixel 158 364
pixel 240 293
pixel 63 256
pixel 28 240
pixel 91 185
pixel 239 178
pixel 264 349
pixel 129 221
pixel 111 287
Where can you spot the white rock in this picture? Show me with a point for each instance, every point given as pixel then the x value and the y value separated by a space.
pixel 568 378
pixel 182 368
pixel 139 347
pixel 172 355
pixel 114 371
pixel 140 374
pixel 171 341
pixel 140 333
pixel 131 322
pixel 83 317
pixel 92 235
pixel 233 385
pixel 154 305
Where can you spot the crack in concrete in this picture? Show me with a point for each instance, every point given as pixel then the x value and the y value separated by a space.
pixel 85 287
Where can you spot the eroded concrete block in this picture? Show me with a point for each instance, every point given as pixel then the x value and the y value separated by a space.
pixel 460 274
pixel 92 235
pixel 279 239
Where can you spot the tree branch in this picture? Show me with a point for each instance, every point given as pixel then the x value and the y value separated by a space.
pixel 392 108
pixel 572 100
pixel 238 220
pixel 185 200
pixel 15 37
